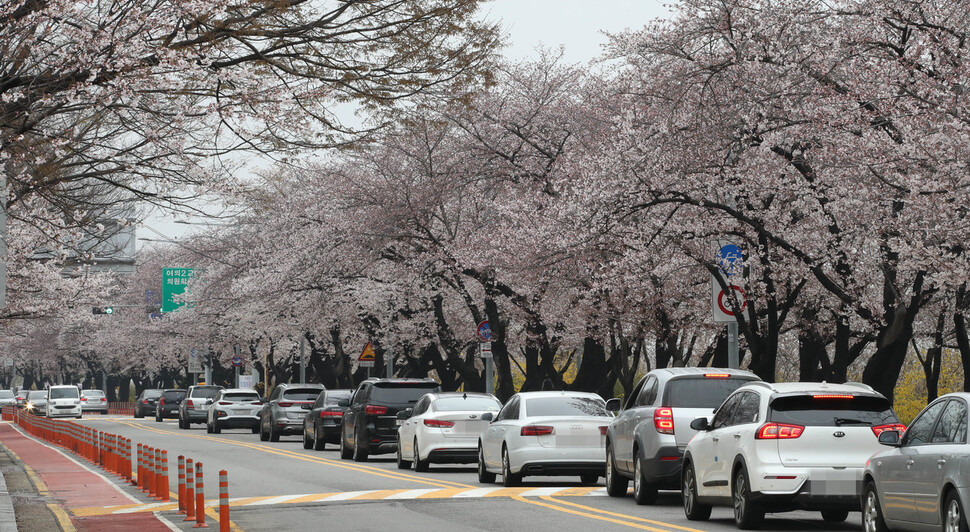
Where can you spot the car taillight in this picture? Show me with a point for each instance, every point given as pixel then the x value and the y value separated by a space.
pixel 663 420
pixel 716 375
pixel 879 429
pixel 440 423
pixel 833 396
pixel 536 430
pixel 259 403
pixel 372 410
pixel 144 401
pixel 189 404
pixel 225 402
pixel 103 399
pixel 779 431
pixel 161 401
pixel 84 398
pixel 331 414
pixel 603 430
pixel 284 405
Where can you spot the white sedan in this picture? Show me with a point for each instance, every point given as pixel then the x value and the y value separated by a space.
pixel 443 428
pixel 546 434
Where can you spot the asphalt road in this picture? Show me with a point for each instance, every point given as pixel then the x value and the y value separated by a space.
pixel 281 486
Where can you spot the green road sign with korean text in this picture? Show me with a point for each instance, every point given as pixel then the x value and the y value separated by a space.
pixel 174 281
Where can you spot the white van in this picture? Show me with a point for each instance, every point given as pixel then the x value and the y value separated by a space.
pixel 64 401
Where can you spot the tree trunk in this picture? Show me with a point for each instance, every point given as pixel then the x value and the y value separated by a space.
pixel 592 372
pixel 504 387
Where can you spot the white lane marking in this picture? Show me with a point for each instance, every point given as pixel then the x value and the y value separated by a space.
pixel 477 492
pixel 411 494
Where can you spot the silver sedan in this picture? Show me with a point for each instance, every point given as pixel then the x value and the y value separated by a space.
pixel 923 482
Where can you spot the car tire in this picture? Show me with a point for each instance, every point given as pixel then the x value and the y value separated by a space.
pixel 139 414
pixel 208 428
pixel 872 519
pixel 256 429
pixel 360 455
pixel 484 476
pixel 307 444
pixel 694 510
pixel 589 479
pixel 401 462
pixel 183 424
pixel 420 466
pixel 216 429
pixel 643 492
pixel 158 417
pixel 616 485
pixel 79 416
pixel 509 479
pixel 319 444
pixel 274 433
pixel 345 451
pixel 954 520
pixel 835 516
pixel 748 515
pixel 263 435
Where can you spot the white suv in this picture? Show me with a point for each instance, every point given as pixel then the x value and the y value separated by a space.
pixel 64 400
pixel 778 447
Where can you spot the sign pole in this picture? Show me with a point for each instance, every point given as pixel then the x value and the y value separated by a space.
pixel 489 373
pixel 732 345
pixel 302 361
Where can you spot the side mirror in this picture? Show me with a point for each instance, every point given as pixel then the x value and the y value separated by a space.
pixel 343 402
pixel 404 414
pixel 889 437
pixel 614 404
pixel 700 423
pixel 488 416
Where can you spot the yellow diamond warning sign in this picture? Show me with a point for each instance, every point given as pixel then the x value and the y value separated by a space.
pixel 367 356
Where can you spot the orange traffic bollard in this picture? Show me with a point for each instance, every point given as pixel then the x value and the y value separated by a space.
pixel 181 484
pixel 199 498
pixel 223 501
pixel 189 491
pixel 141 466
pixel 158 474
pixel 164 482
pixel 150 471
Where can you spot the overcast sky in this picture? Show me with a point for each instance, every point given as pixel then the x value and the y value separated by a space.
pixel 574 24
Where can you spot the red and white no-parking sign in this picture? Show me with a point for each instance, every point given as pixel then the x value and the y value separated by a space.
pixel 729 260
pixel 726 306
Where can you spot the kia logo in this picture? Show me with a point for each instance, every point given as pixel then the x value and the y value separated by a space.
pixel 839 434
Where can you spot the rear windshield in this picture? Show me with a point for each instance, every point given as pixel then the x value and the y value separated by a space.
pixel 175 395
pixel 339 398
pixel 701 392
pixel 152 394
pixel 451 404
pixel 6 394
pixel 208 393
pixel 566 406
pixel 302 394
pixel 807 410
pixel 241 396
pixel 401 392
pixel 64 393
pixel 92 393
pixel 36 394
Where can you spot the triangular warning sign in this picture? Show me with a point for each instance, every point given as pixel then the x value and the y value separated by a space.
pixel 367 355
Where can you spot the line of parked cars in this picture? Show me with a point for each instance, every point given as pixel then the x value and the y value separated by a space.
pixel 61 400
pixel 721 437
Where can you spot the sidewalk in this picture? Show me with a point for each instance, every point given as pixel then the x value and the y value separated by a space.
pixel 65 482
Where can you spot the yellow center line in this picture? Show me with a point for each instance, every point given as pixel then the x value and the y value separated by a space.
pixel 623 516
pixel 588 515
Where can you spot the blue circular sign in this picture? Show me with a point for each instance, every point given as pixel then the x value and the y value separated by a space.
pixel 484 332
pixel 237 361
pixel 728 258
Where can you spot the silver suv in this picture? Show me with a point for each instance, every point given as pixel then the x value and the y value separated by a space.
pixel 287 406
pixel 647 439
pixel 195 407
pixel 234 408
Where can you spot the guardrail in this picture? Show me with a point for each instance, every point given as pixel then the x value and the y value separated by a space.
pixel 112 452
pixel 124 409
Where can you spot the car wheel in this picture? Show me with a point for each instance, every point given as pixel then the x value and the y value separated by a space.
pixel 360 455
pixel 263 435
pixel 954 520
pixel 401 462
pixel 872 520
pixel 307 444
pixel 139 414
pixel 208 428
pixel 835 516
pixel 589 479
pixel 216 429
pixel 483 475
pixel 345 451
pixel 616 485
pixel 420 465
pixel 79 416
pixel 509 479
pixel 183 424
pixel 643 492
pixel 274 433
pixel 748 515
pixel 319 443
pixel 158 417
pixel 256 429
pixel 694 510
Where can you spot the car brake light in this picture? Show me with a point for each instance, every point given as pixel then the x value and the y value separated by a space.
pixel 438 423
pixel 161 401
pixel 716 375
pixel 779 431
pixel 536 430
pixel 603 430
pixel 372 410
pixel 284 405
pixel 84 398
pixel 189 404
pixel 663 420
pixel 144 401
pixel 879 429
pixel 225 402
pixel 103 399
pixel 331 413
pixel 833 396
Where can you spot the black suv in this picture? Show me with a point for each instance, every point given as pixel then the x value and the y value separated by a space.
pixel 168 404
pixel 370 423
pixel 145 402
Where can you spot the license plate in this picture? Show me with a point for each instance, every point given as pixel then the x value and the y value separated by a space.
pixel 399 421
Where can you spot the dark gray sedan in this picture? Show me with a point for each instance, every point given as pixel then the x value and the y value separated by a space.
pixel 923 482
